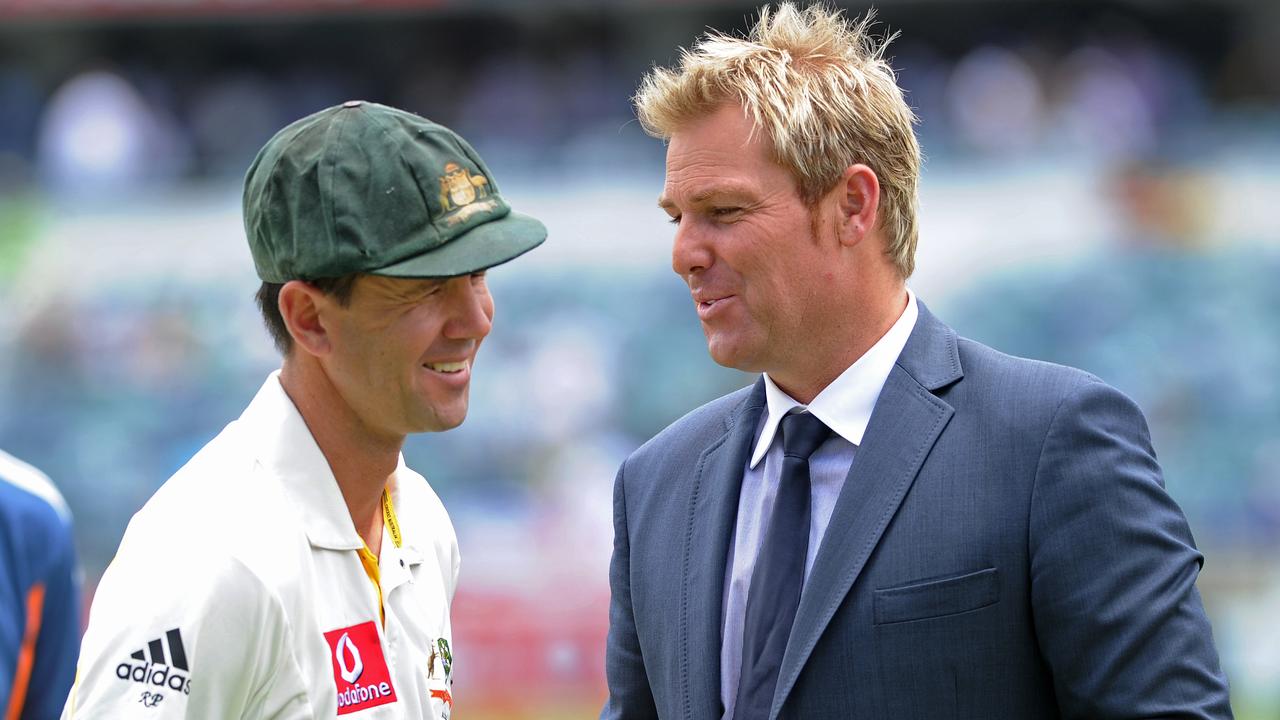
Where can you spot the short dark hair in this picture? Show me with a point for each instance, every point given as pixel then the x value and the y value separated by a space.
pixel 268 297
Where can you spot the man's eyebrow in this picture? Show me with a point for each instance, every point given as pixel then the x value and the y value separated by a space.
pixel 422 286
pixel 703 196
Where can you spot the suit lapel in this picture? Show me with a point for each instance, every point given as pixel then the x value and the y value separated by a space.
pixel 713 511
pixel 906 422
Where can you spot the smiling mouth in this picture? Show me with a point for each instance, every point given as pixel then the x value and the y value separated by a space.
pixel 447 368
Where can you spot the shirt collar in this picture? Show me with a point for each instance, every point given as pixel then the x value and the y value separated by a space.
pixel 287 450
pixel 845 405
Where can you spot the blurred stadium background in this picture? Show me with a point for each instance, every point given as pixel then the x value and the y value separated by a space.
pixel 1102 189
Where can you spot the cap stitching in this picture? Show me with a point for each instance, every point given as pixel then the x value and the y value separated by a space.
pixel 292 271
pixel 327 171
pixel 266 165
pixel 417 182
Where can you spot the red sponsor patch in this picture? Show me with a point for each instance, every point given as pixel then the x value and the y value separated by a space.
pixel 359 668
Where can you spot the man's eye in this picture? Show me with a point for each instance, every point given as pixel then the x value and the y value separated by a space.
pixel 725 212
pixel 674 220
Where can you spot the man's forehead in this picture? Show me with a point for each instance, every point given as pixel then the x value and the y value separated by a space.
pixel 703 174
pixel 728 130
pixel 711 160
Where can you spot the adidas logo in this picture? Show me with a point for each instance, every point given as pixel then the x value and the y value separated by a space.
pixel 154 667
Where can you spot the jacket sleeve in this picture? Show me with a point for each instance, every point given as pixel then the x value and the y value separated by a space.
pixel 1113 571
pixel 174 636
pixel 58 642
pixel 630 697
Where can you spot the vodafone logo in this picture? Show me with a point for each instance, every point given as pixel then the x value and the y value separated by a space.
pixel 360 671
pixel 352 669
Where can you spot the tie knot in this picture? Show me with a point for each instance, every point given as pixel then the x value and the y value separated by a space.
pixel 802 433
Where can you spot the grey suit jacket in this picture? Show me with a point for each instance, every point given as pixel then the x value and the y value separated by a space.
pixel 1003 548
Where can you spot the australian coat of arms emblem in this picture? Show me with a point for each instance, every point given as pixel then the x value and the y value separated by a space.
pixel 459 187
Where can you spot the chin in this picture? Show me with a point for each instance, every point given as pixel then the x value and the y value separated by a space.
pixel 447 422
pixel 733 361
pixel 731 355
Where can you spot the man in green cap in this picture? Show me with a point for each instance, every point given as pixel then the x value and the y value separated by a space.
pixel 295 568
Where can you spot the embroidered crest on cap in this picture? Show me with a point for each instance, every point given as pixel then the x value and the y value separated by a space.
pixel 459 191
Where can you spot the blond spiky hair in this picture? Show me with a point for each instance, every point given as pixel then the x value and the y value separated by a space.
pixel 819 87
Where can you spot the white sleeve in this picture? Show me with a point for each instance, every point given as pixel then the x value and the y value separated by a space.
pixel 457 565
pixel 174 636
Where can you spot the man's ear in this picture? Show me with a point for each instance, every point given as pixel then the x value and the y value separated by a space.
pixel 858 203
pixel 300 306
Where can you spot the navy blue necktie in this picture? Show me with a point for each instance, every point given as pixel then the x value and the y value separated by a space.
pixel 778 577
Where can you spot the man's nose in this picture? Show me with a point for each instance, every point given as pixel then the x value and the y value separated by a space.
pixel 690 251
pixel 470 310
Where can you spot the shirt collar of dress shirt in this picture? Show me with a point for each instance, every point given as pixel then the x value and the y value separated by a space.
pixel 846 404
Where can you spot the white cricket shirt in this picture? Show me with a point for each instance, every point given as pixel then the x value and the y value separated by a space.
pixel 238 592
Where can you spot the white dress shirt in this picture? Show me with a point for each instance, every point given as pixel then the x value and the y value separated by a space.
pixel 844 406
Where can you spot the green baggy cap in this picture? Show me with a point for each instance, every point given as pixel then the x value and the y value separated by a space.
pixel 366 188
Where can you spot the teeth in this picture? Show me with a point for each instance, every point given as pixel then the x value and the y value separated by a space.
pixel 448 367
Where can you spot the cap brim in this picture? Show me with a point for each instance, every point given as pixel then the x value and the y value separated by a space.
pixel 481 247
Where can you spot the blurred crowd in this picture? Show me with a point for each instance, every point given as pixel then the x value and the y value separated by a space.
pixel 106 108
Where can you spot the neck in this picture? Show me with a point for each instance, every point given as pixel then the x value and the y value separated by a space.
pixel 362 460
pixel 843 341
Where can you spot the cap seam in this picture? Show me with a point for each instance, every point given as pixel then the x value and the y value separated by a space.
pixel 329 199
pixel 268 192
pixel 429 226
pixel 281 272
pixel 399 146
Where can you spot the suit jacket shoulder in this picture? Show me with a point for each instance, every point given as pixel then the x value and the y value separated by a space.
pixel 1017 395
pixel 991 369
